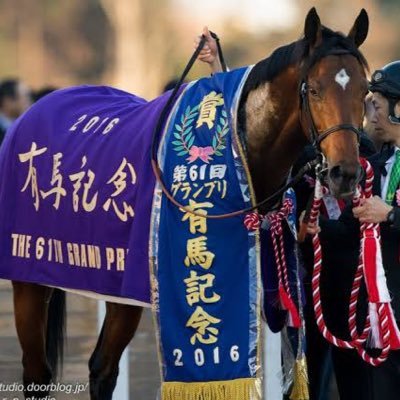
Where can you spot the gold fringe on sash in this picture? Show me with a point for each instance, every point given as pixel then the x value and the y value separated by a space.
pixel 237 389
pixel 300 380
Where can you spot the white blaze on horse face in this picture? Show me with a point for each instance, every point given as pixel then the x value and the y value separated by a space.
pixel 342 78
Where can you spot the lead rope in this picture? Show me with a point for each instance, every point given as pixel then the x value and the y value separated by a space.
pixel 380 325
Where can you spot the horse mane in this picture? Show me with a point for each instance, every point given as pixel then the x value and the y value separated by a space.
pixel 293 53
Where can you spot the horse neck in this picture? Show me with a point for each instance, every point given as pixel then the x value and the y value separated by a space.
pixel 274 135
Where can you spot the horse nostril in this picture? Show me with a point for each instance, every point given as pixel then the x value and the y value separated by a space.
pixel 346 175
pixel 336 172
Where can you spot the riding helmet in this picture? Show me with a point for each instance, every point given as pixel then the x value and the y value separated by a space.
pixel 387 80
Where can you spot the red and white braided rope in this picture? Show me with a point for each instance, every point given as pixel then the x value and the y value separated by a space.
pixel 357 338
pixel 275 221
pixel 357 341
pixel 253 222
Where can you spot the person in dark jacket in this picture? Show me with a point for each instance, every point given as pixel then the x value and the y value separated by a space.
pixel 356 379
pixel 15 98
pixel 335 280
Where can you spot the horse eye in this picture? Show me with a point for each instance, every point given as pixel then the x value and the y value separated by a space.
pixel 313 92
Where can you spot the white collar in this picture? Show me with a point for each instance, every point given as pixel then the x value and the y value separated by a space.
pixel 391 159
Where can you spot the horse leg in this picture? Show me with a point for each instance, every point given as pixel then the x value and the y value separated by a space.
pixel 118 329
pixel 30 309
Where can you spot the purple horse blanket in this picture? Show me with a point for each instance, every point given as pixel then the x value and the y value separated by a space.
pixel 76 192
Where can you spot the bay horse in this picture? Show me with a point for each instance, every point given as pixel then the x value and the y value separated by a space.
pixel 310 90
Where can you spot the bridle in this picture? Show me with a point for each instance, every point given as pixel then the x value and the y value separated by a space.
pixel 315 138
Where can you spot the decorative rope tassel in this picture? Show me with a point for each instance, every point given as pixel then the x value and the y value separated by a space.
pixel 300 380
pixel 288 304
pixel 380 325
pixel 374 340
pixel 275 224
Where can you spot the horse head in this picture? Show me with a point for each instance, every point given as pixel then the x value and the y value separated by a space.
pixel 317 86
pixel 333 86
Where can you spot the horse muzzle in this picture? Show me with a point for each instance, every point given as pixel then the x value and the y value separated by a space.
pixel 343 178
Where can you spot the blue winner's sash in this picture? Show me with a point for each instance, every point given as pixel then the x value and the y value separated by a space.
pixel 206 272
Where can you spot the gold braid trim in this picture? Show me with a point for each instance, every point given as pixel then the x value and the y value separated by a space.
pixel 237 389
pixel 300 380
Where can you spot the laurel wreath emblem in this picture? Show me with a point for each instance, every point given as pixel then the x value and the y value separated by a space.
pixel 184 143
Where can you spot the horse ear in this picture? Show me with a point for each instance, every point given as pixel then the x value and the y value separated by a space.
pixel 312 28
pixel 359 31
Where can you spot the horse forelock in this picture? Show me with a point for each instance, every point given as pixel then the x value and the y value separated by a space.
pixel 333 43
